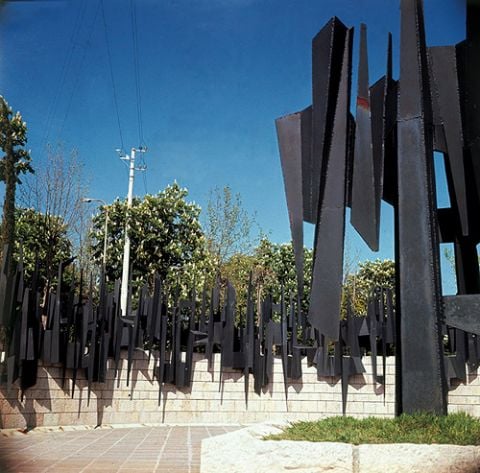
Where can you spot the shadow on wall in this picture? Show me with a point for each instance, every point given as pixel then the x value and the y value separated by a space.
pixel 138 397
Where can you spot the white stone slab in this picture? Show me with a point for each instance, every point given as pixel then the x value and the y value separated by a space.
pixel 244 451
pixel 411 458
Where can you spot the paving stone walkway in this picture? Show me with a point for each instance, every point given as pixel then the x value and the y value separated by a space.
pixel 123 450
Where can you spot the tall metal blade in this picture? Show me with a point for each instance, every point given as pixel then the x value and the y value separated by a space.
pixel 327 54
pixel 365 216
pixel 423 381
pixel 306 124
pixel 445 89
pixel 471 77
pixel 324 310
pixel 289 132
pixel 390 151
pixel 469 54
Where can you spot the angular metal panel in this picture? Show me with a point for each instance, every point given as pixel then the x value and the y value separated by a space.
pixel 372 329
pixel 377 106
pixel 462 312
pixel 390 158
pixel 324 310
pixel 466 266
pixel 309 209
pixel 365 215
pixel 445 87
pixel 289 132
pixel 470 78
pixel 294 360
pixel 228 331
pixel 468 67
pixel 350 155
pixel 327 54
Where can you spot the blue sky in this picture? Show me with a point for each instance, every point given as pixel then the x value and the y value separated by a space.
pixel 213 75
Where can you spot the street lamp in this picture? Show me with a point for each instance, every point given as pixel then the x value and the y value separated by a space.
pixel 88 200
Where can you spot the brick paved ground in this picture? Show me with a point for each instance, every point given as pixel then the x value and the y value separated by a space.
pixel 122 450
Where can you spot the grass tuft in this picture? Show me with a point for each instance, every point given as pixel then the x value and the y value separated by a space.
pixel 454 429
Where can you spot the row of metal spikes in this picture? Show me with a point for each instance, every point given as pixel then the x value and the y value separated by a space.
pixel 82 332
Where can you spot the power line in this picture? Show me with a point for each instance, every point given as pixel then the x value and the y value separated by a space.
pixel 67 63
pixel 144 174
pixel 111 75
pixel 136 66
pixel 145 181
pixel 82 61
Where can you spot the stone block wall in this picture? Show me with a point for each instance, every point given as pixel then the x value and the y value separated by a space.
pixel 50 403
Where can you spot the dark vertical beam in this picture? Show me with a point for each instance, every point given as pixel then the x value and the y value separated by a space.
pixel 398 317
pixel 309 213
pixel 468 62
pixel 327 54
pixel 466 267
pixel 289 132
pixel 472 74
pixel 365 216
pixel 249 339
pixel 389 184
pixel 325 298
pixel 445 95
pixel 423 378
pixel 378 94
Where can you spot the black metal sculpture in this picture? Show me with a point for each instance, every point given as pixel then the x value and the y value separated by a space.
pixel 331 160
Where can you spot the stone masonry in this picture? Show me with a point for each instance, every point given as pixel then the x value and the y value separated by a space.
pixel 50 402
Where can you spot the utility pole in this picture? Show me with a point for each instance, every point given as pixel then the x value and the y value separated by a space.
pixel 126 249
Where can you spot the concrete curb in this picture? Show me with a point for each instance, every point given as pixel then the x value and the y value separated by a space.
pixel 245 451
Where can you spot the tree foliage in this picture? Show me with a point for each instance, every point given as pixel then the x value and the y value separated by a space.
pixel 228 227
pixel 56 190
pixel 41 239
pixel 358 286
pixel 276 269
pixel 16 161
pixel 272 266
pixel 166 238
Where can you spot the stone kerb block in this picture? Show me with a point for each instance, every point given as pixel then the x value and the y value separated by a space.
pixel 267 456
pixel 307 457
pixel 410 458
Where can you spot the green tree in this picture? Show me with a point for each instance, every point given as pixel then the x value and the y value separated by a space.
pixel 237 271
pixel 16 161
pixel 358 286
pixel 41 238
pixel 56 190
pixel 272 266
pixel 166 238
pixel 275 267
pixel 228 227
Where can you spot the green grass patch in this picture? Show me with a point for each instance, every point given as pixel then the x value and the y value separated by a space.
pixel 455 429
